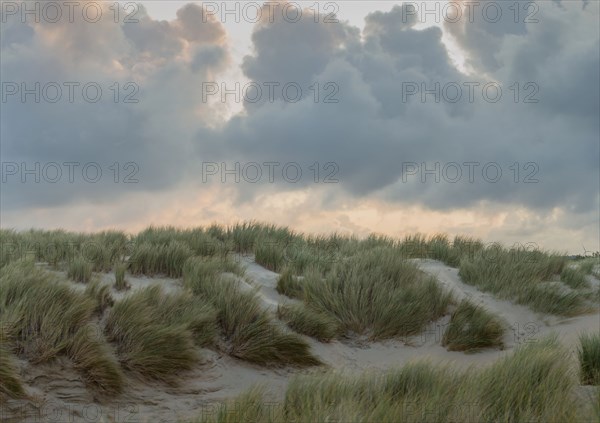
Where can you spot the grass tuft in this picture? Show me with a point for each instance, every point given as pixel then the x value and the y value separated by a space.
pixel 589 358
pixel 377 294
pixel 574 277
pixel 164 259
pixel 94 359
pixel 249 331
pixel 534 384
pixel 288 285
pixel 157 333
pixel 306 321
pixel 11 386
pixel 80 270
pixel 100 294
pixel 120 281
pixel 519 275
pixel 472 328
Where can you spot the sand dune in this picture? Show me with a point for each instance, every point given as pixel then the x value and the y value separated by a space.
pixel 58 387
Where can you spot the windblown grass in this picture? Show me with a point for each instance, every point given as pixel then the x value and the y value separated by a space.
pixel 472 328
pixel 94 359
pixel 518 275
pixel 574 277
pixel 80 270
pixel 11 385
pixel 120 281
pixel 43 313
pixel 288 284
pixel 270 256
pixel 44 318
pixel 163 259
pixel 589 358
pixel 439 247
pixel 589 266
pixel 534 384
pixel 377 294
pixel 100 294
pixel 309 322
pixel 250 333
pixel 157 333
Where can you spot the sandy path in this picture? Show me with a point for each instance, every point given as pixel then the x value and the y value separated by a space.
pixel 264 280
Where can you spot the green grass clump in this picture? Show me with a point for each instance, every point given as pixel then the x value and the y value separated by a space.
pixel 439 248
pixel 270 256
pixel 534 384
pixel 589 358
pixel 587 265
pixel 530 385
pixel 44 313
pixel 120 281
pixel 288 284
pixel 472 328
pixel 45 318
pixel 377 294
pixel 156 333
pixel 574 277
pixel 80 270
pixel 163 259
pixel 309 322
pixel 519 275
pixel 11 386
pixel 100 294
pixel 94 359
pixel 250 333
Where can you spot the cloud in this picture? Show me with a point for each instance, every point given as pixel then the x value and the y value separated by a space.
pixel 149 75
pixel 374 131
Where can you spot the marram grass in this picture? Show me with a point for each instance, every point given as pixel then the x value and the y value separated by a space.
pixel 306 321
pixel 80 270
pixel 588 353
pixel 377 294
pixel 533 384
pixel 157 334
pixel 43 318
pixel 472 328
pixel 11 386
pixel 249 331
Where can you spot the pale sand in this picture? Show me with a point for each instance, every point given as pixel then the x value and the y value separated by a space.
pixel 220 377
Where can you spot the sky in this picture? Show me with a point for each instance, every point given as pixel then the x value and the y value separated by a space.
pixel 475 118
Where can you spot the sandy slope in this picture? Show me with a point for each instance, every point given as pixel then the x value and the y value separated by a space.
pixel 60 388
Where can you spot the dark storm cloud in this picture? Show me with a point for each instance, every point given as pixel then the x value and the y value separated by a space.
pixel 157 65
pixel 372 131
pixel 369 133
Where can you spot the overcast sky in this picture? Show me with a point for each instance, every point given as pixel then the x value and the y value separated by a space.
pixel 354 117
